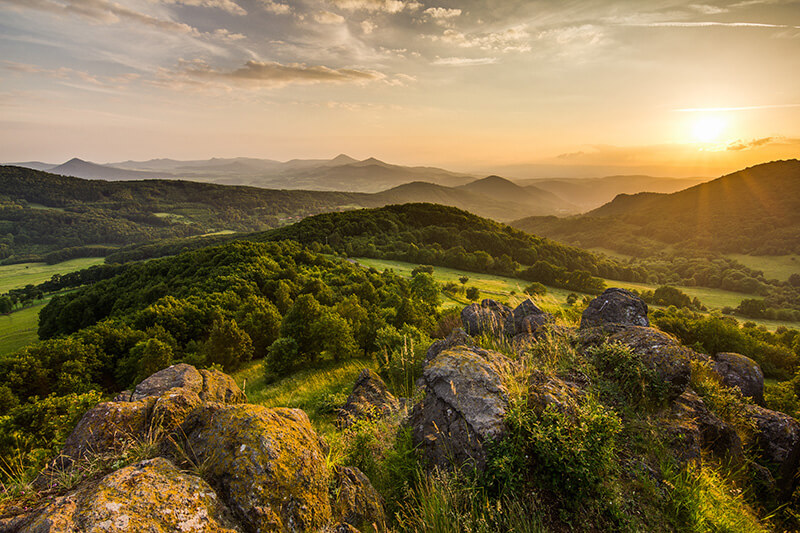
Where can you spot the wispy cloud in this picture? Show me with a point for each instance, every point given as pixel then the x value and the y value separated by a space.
pixel 276 7
pixel 678 24
pixel 514 39
pixel 326 17
pixel 226 5
pixel 464 61
pixel 67 74
pixel 385 6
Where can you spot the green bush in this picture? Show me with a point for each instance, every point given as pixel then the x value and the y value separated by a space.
pixel 622 376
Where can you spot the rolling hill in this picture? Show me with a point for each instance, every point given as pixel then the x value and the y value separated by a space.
pixel 754 211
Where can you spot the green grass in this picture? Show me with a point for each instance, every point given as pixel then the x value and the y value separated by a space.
pixel 774 266
pixel 18 276
pixel 315 390
pixel 18 329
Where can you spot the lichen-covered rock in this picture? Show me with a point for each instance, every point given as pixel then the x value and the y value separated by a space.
pixel 778 444
pixel 107 427
pixel 370 399
pixel 695 428
pixel 266 464
pixel 181 376
pixel 356 501
pixel 547 391
pixel 220 387
pixel 150 496
pixel 464 404
pixel 172 408
pixel 526 318
pixel 742 373
pixel 488 318
pixel 660 352
pixel 457 337
pixel 615 306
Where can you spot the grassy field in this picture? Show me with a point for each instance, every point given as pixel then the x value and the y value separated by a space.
pixel 317 391
pixel 18 329
pixel 774 266
pixel 18 276
pixel 501 288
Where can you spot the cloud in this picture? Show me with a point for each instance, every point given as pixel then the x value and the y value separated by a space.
pixel 326 17
pixel 708 25
pixel 464 61
pixel 737 146
pixel 571 155
pixel 514 39
pixel 67 74
pixel 367 27
pixel 587 34
pixel 270 74
pixel 226 5
pixel 385 6
pixel 276 7
pixel 706 9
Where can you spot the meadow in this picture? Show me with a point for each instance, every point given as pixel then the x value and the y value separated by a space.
pixel 18 329
pixel 22 274
pixel 774 267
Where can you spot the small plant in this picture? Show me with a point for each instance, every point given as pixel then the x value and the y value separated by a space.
pixel 726 402
pixel 622 375
pixel 473 293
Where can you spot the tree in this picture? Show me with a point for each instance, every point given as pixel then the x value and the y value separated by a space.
pixel 424 287
pixel 535 289
pixel 473 293
pixel 298 322
pixel 151 356
pixel 260 319
pixel 227 345
pixel 281 357
pixel 463 280
pixel 427 269
pixel 6 305
pixel 335 335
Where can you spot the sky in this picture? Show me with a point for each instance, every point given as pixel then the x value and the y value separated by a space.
pixel 530 87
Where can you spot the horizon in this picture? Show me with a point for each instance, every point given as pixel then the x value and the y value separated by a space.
pixel 674 89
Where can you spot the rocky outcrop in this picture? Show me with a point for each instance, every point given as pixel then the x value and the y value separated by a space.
pixel 149 496
pixel 694 428
pixel 266 464
pixel 457 337
pixel 742 373
pixel 356 502
pixel 464 405
pixel 660 352
pixel 548 391
pixel 488 318
pixel 526 318
pixel 158 405
pixel 370 399
pixel 778 444
pixel 615 306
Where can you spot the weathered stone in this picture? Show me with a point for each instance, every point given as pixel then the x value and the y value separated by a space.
pixel 526 318
pixel 742 373
pixel 266 464
pixel 370 399
pixel 176 376
pixel 149 496
pixel 488 318
pixel 660 352
pixel 547 391
pixel 107 427
pixel 615 306
pixel 464 404
pixel 356 501
pixel 695 428
pixel 172 408
pixel 778 443
pixel 220 387
pixel 457 337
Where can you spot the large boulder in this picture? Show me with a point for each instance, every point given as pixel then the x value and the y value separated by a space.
pixel 181 376
pixel 742 373
pixel 660 352
pixel 695 428
pixel 488 318
pixel 370 399
pixel 546 391
pixel 267 464
pixel 615 306
pixel 464 405
pixel 457 337
pixel 356 502
pixel 108 427
pixel 778 444
pixel 526 318
pixel 150 496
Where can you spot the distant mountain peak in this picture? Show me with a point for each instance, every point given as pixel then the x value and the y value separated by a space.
pixel 343 159
pixel 76 160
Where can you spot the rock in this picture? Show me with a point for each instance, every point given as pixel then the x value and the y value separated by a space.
pixel 742 373
pixel 181 376
pixel 778 443
pixel 696 428
pixel 659 352
pixel 356 501
pixel 615 306
pixel 545 391
pixel 150 496
pixel 457 337
pixel 464 404
pixel 526 318
pixel 488 318
pixel 172 408
pixel 370 399
pixel 220 387
pixel 266 464
pixel 107 427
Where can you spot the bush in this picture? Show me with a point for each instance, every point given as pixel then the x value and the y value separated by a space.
pixel 473 293
pixel 622 376
pixel 535 289
pixel 281 357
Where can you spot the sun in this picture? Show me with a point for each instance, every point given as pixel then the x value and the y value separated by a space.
pixel 708 129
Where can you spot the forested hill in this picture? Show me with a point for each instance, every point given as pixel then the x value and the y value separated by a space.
pixel 754 211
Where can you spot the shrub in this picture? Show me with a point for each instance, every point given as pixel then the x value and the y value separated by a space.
pixel 622 376
pixel 281 357
pixel 473 293
pixel 535 289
